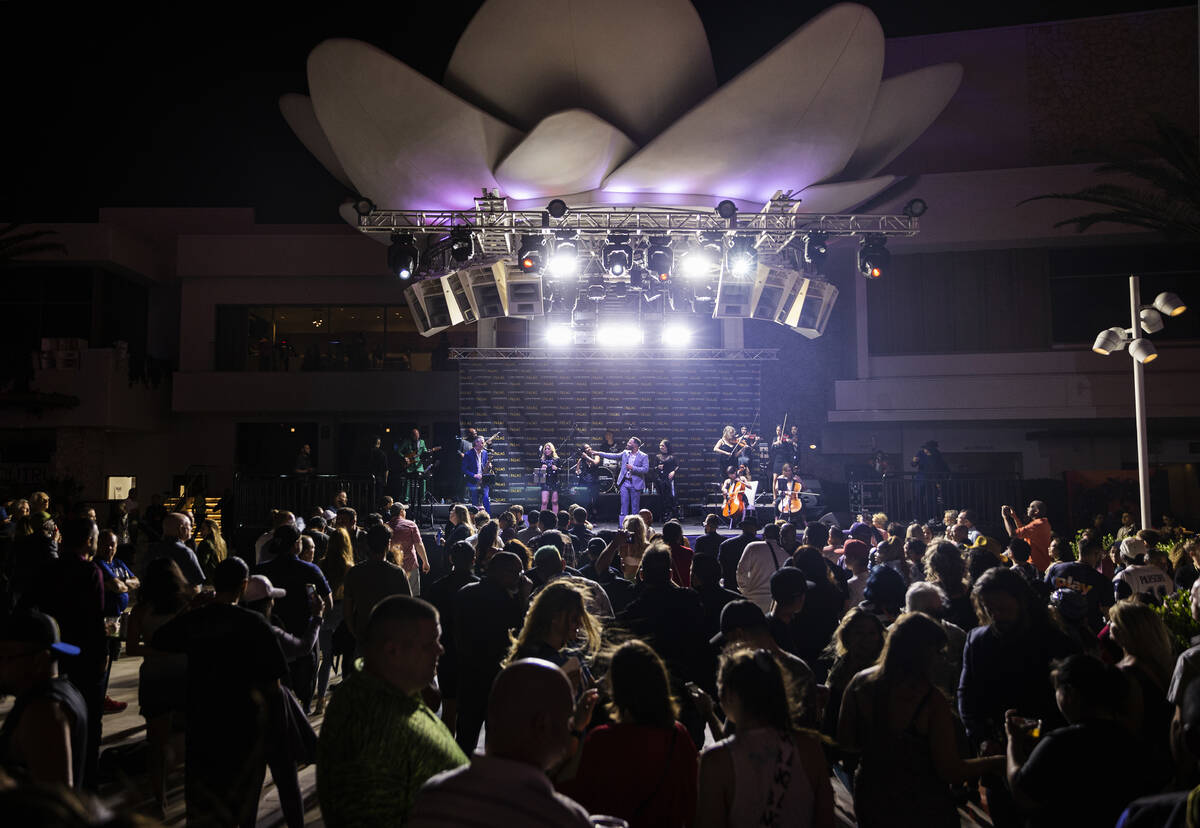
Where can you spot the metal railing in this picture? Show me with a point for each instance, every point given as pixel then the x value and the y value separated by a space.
pixel 255 496
pixel 905 496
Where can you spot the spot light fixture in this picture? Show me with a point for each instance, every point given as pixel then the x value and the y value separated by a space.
pixel 915 208
pixel 596 289
pixel 743 258
pixel 873 256
pixel 403 256
pixel 462 244
pixel 816 250
pixel 1169 304
pixel 617 255
pixel 659 258
pixel 565 260
pixel 529 255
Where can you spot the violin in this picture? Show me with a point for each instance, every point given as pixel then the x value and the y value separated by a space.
pixel 735 499
pixel 789 498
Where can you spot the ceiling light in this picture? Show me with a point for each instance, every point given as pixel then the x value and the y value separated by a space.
pixel 659 259
pixel 727 209
pixel 565 261
pixel 676 335
pixel 557 208
pixel 1143 350
pixel 1109 340
pixel 1152 321
pixel 873 256
pixel 402 255
pixel 1170 304
pixel 915 208
pixel 462 244
pixel 617 255
pixel 743 258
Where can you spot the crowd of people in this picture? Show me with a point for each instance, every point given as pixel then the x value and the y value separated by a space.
pixel 524 668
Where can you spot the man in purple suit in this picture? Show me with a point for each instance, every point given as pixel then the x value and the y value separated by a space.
pixel 631 477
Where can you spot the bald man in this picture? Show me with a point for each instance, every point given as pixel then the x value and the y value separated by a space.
pixel 177 530
pixel 530 724
pixel 1036 532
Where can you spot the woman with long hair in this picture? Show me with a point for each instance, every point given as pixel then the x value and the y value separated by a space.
pixel 461 525
pixel 548 477
pixel 556 618
pixel 724 450
pixel 856 645
pixel 338 560
pixel 767 773
pixel 1147 663
pixel 211 549
pixel 902 729
pixel 522 551
pixel 944 567
pixel 642 768
pixel 632 545
pixel 487 543
pixel 162 677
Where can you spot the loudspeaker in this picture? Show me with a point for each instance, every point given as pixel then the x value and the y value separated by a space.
pixel 487 285
pixel 433 296
pixel 832 520
pixel 459 299
pixel 420 317
pixel 810 312
pixel 735 296
pixel 774 284
pixel 524 294
pixel 441 513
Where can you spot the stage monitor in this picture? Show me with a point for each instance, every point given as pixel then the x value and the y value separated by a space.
pixel 459 299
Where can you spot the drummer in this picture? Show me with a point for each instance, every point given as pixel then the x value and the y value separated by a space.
pixel 546 474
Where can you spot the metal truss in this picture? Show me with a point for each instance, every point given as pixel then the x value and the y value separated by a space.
pixel 590 352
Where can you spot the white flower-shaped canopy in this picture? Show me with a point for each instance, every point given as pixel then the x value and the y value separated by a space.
pixel 616 103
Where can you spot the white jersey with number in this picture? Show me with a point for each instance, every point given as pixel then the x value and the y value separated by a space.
pixel 1142 578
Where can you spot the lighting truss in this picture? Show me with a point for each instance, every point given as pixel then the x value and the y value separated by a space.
pixel 708 354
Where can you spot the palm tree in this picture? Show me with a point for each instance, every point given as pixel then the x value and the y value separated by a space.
pixel 1167 197
pixel 15 243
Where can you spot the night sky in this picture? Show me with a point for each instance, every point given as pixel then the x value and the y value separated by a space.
pixel 106 107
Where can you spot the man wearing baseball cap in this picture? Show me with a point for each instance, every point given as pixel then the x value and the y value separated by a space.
pixel 1139 577
pixel 44 736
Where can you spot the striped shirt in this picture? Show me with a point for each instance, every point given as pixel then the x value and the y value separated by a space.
pixel 494 791
pixel 377 746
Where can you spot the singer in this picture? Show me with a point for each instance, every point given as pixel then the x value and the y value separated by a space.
pixel 631 479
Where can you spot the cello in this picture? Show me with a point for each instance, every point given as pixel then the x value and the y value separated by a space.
pixel 789 498
pixel 735 498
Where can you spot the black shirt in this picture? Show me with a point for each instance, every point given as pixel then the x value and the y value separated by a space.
pixel 671 620
pixel 729 553
pixel 68 697
pixel 484 615
pixel 289 573
pixel 1091 584
pixel 708 544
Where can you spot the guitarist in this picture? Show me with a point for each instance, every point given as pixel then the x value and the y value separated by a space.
pixel 411 456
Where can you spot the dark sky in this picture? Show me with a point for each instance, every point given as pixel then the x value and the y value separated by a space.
pixel 150 109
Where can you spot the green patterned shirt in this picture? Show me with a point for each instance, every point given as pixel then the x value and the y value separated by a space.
pixel 377 747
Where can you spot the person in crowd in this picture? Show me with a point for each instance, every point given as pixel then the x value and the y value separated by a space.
pixel 1019 552
pixel 162 677
pixel 234 668
pixel 914 553
pixel 760 560
pixel 681 553
pixel 1006 666
pixel 767 773
pixel 944 567
pixel 903 731
pixel 315 529
pixel 1042 765
pixel 335 566
pixel 548 567
pixel 176 530
pixel 298 579
pixel 551 632
pixel 211 548
pixel 1140 578
pixel 532 721
pixel 856 645
pixel 730 551
pixel 789 590
pixel 979 559
pixel 369 582
pixel 487 614
pixel 642 768
pixel 579 529
pixel 443 594
pixel 706 582
pixel 488 543
pixel 1148 660
pixel 119 583
pixel 347 518
pixel 710 542
pixel 524 555
pixel 648 518
pixel 813 627
pixel 279 517
pixel 408 547
pixel 380 742
pixel 968 518
pixel 1175 809
pixel 460 525
pixel 1060 550
pixel 743 625
pixel 601 568
pixel 933 601
pixel 1036 532
pixel 890 553
pixel 884 595
pixel 855 554
pixel 44 736
pixel 1083 577
pixel 633 544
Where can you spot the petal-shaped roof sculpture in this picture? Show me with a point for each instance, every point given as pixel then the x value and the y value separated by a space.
pixel 904 108
pixel 789 120
pixel 298 112
pixel 841 197
pixel 569 152
pixel 638 65
pixel 401 138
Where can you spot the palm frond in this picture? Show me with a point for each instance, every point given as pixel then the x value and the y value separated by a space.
pixel 14 244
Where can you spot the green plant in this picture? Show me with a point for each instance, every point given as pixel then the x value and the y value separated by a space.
pixel 1176 613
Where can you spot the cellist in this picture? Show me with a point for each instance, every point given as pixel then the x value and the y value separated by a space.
pixel 787 495
pixel 734 492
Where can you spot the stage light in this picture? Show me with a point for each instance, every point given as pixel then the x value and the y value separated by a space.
pixel 915 208
pixel 565 260
pixel 618 335
pixel 637 278
pixel 812 446
pixel 558 336
pixel 676 335
pixel 364 206
pixel 529 256
pixel 596 288
pixel 659 259
pixel 1170 304
pixel 873 256
pixel 727 209
pixel 696 263
pixel 1109 340
pixel 816 250
pixel 617 255
pixel 403 256
pixel 743 258
pixel 1152 321
pixel 1143 350
pixel 557 208
pixel 462 244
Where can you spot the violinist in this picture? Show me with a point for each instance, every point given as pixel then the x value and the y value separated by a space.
pixel 725 449
pixel 665 466
pixel 787 495
pixel 734 492
pixel 747 441
pixel 548 476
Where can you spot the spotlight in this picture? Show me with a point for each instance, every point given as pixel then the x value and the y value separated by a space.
pixel 596 289
pixel 1143 350
pixel 637 278
pixel 529 256
pixel 558 336
pixel 618 335
pixel 1109 340
pixel 873 256
pixel 816 250
pixel 617 255
pixel 462 244
pixel 1152 321
pixel 565 261
pixel 915 208
pixel 812 446
pixel 402 255
pixel 676 335
pixel 743 258
pixel 364 206
pixel 701 258
pixel 727 209
pixel 1170 304
pixel 659 259
pixel 557 208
